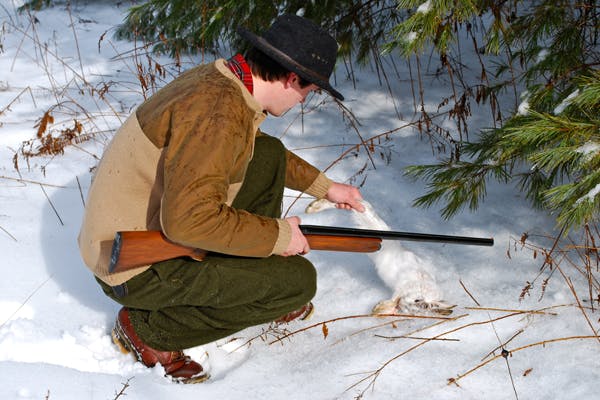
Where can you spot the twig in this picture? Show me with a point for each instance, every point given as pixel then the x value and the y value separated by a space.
pixel 375 374
pixel 8 233
pixel 353 122
pixel 502 345
pixel 35 39
pixel 413 332
pixel 542 343
pixel 122 391
pixel 7 107
pixel 76 39
pixel 377 326
pixel 29 181
pixel 12 66
pixel 417 338
pixel 505 355
pixel 357 317
pixel 355 147
pixel 80 191
pixel 469 293
pixel 7 13
pixel 541 311
pixel 52 205
pixel 579 305
pixel 556 267
pixel 26 300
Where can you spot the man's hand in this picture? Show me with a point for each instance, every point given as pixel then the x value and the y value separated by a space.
pixel 346 197
pixel 298 244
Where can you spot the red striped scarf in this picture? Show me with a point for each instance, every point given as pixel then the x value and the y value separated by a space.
pixel 238 65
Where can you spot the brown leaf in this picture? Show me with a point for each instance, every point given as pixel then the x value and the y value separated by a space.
pixel 452 381
pixel 325 331
pixel 42 125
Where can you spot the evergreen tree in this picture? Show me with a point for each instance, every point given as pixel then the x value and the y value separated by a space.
pixel 190 26
pixel 551 143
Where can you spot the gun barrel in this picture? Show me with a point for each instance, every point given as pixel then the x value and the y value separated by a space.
pixel 394 235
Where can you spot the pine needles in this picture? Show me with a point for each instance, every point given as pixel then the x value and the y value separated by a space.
pixel 556 129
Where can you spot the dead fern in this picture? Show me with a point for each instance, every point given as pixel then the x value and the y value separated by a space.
pixel 50 143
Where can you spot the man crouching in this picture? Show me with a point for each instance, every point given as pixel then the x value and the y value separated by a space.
pixel 192 162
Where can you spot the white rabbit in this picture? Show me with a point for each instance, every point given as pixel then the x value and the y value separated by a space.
pixel 414 288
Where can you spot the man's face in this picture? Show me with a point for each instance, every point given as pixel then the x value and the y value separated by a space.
pixel 290 94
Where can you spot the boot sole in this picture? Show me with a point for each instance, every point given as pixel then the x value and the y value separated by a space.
pixel 119 342
pixel 309 314
pixel 191 381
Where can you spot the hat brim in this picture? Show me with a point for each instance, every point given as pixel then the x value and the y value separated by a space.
pixel 288 63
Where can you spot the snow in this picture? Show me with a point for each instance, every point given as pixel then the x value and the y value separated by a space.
pixel 542 55
pixel 411 36
pixel 425 7
pixel 55 323
pixel 523 108
pixel 591 195
pixel 566 102
pixel 589 148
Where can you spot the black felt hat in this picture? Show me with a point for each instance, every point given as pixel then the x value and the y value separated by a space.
pixel 301 46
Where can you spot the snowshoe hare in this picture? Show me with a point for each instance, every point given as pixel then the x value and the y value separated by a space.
pixel 414 288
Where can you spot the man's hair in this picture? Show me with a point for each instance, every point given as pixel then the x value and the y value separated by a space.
pixel 266 68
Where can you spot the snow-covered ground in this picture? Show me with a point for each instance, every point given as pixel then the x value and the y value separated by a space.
pixel 55 323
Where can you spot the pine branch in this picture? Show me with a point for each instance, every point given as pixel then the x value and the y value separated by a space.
pixel 456 184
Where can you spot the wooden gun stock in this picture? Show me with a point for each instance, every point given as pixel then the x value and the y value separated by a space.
pixel 133 249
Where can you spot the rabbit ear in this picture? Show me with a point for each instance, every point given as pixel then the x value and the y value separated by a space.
pixel 416 307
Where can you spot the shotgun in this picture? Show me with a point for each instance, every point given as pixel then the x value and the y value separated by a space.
pixel 133 249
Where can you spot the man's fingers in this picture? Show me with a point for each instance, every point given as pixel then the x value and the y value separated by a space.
pixel 356 205
pixel 294 220
pixel 298 243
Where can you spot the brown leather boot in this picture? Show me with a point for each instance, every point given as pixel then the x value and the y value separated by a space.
pixel 303 313
pixel 178 366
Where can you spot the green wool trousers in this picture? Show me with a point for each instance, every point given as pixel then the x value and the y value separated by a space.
pixel 182 303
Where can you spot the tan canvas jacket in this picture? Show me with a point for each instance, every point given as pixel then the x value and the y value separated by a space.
pixel 176 165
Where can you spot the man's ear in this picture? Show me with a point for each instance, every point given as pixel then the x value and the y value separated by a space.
pixel 291 78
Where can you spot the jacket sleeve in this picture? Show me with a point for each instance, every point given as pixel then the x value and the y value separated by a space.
pixel 302 176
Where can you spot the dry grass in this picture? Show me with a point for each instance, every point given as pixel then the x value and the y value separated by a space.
pixel 86 110
pixel 577 263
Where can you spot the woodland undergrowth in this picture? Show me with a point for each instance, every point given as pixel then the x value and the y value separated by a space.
pixel 86 108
